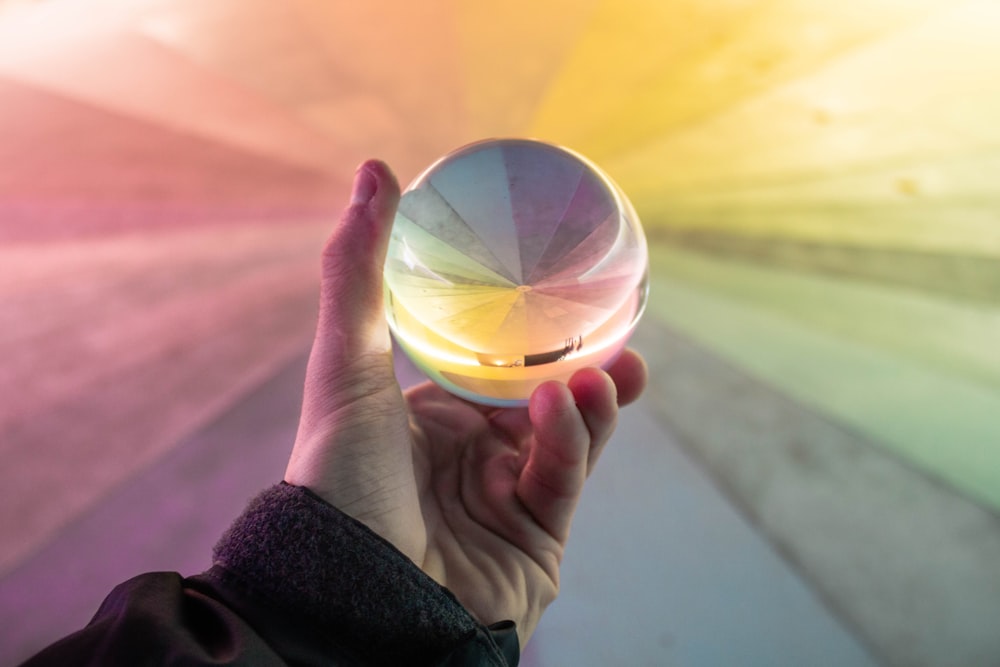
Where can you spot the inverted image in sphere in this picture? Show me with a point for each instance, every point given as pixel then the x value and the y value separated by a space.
pixel 513 262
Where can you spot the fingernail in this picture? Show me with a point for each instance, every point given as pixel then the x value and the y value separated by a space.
pixel 365 185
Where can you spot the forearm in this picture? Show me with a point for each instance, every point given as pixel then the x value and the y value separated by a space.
pixel 293 554
pixel 295 581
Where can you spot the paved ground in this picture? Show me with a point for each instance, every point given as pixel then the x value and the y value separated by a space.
pixel 661 569
pixel 114 349
pixel 158 376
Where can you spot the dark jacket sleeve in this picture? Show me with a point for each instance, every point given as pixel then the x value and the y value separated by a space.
pixel 294 582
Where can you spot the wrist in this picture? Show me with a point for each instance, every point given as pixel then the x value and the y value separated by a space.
pixel 337 581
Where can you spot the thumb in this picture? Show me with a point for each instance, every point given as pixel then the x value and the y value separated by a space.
pixel 353 426
pixel 351 355
pixel 351 320
pixel 353 443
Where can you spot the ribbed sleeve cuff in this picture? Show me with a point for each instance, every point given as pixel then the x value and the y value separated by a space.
pixel 332 576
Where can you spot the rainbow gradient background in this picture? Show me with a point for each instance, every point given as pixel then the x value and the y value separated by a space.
pixel 819 183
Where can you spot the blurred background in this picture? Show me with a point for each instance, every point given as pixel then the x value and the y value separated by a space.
pixel 813 477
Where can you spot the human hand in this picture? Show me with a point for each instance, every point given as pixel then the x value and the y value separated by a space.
pixel 480 498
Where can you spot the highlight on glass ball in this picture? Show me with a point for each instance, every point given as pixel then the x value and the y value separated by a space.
pixel 513 262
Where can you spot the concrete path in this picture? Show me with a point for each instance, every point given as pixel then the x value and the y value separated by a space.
pixel 660 571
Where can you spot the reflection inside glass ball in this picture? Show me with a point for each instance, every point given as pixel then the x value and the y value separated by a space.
pixel 513 262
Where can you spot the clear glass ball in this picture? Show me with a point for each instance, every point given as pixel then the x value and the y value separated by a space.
pixel 513 262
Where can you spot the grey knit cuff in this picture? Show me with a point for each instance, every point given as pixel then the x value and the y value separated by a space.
pixel 303 556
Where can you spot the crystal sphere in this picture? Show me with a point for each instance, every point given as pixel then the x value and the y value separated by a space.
pixel 513 262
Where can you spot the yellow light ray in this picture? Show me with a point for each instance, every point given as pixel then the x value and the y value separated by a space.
pixel 510 56
pixel 644 69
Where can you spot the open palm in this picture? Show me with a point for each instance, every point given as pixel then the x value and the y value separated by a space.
pixel 498 487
